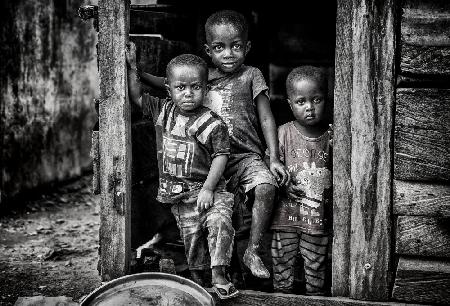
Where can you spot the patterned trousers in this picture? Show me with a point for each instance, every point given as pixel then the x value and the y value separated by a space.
pixel 207 236
pixel 287 245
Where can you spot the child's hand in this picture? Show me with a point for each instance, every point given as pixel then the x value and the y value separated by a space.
pixel 205 199
pixel 330 132
pixel 130 54
pixel 294 192
pixel 279 171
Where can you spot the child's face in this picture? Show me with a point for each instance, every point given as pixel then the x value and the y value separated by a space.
pixel 227 47
pixel 307 101
pixel 187 86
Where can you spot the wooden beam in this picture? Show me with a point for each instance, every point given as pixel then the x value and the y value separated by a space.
pixel 115 140
pixel 372 107
pixel 425 22
pixel 257 298
pixel 423 236
pixel 95 155
pixel 342 185
pixel 422 281
pixel 425 43
pixel 422 134
pixel 421 199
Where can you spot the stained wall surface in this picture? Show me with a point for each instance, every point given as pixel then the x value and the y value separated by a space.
pixel 48 80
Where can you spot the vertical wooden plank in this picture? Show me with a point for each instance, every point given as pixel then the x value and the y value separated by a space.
pixel 114 141
pixel 95 155
pixel 342 199
pixel 371 148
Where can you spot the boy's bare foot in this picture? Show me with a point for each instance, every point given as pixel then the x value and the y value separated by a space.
pixel 255 264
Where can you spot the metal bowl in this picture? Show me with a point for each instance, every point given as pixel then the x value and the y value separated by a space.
pixel 150 288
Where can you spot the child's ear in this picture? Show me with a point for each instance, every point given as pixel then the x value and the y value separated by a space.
pixel 167 88
pixel 289 102
pixel 248 47
pixel 207 50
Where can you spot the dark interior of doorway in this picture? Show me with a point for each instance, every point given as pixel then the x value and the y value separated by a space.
pixel 283 36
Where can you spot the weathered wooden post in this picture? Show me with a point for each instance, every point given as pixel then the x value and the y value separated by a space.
pixel 114 139
pixel 364 105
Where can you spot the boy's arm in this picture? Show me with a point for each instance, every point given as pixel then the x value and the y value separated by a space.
pixel 206 195
pixel 152 80
pixel 134 85
pixel 269 130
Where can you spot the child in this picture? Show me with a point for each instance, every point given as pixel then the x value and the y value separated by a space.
pixel 193 148
pixel 239 94
pixel 300 221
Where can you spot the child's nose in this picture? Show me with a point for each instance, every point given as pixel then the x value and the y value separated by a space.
pixel 309 105
pixel 188 92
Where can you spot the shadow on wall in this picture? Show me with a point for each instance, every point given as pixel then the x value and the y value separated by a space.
pixel 48 80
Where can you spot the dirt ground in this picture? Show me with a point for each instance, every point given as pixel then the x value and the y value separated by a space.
pixel 50 246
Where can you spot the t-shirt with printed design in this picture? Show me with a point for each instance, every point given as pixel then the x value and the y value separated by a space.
pixel 308 161
pixel 186 145
pixel 232 96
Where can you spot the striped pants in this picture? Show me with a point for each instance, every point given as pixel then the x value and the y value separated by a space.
pixel 287 244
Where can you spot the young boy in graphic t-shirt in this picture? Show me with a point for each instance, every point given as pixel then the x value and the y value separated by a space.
pixel 301 217
pixel 192 149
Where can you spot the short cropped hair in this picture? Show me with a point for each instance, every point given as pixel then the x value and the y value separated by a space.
pixel 187 60
pixel 233 18
pixel 306 72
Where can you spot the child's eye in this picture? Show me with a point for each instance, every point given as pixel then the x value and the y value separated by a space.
pixel 317 100
pixel 180 87
pixel 237 47
pixel 300 101
pixel 217 48
pixel 197 87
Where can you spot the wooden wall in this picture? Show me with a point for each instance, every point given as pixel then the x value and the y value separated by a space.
pixel 421 203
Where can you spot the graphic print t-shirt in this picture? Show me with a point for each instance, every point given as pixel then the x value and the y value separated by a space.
pixel 232 96
pixel 309 163
pixel 186 145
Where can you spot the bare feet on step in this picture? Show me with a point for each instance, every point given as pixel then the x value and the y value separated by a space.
pixel 255 264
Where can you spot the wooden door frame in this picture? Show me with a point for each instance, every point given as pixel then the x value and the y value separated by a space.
pixel 363 145
pixel 114 139
pixel 363 148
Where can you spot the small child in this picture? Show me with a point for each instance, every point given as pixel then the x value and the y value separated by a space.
pixel 300 224
pixel 193 148
pixel 239 94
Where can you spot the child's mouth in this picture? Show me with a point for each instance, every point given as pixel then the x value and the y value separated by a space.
pixel 228 65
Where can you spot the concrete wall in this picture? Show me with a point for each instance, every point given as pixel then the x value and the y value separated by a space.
pixel 48 79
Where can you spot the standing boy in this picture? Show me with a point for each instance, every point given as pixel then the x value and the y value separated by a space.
pixel 192 149
pixel 239 94
pixel 301 219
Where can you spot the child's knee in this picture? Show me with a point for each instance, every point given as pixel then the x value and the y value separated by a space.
pixel 265 192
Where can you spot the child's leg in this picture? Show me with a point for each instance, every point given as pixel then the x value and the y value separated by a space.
pixel 314 250
pixel 284 251
pixel 220 235
pixel 189 222
pixel 261 215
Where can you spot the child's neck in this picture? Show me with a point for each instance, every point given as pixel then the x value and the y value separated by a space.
pixel 312 131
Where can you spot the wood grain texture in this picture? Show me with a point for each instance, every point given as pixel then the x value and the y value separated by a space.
pixel 422 134
pixel 425 60
pixel 115 140
pixel 422 281
pixel 425 37
pixel 371 148
pixel 256 298
pixel 342 185
pixel 423 236
pixel 421 199
pixel 425 22
pixel 95 155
